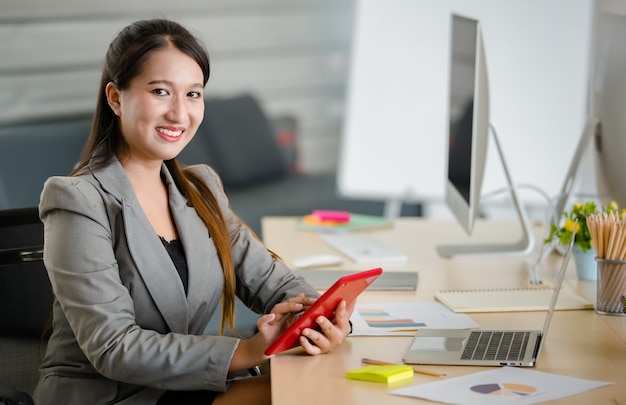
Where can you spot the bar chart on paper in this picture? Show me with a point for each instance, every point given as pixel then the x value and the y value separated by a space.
pixel 403 319
pixel 381 318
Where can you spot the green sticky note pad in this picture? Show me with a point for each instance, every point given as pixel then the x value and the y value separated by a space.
pixel 388 374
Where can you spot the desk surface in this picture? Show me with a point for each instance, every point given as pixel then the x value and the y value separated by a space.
pixel 580 344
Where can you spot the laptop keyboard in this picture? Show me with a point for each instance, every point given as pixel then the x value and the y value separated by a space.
pixel 500 346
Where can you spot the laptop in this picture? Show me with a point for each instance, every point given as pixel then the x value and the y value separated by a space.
pixel 477 347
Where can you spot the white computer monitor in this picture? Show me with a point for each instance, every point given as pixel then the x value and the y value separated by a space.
pixel 608 104
pixel 468 134
pixel 606 122
pixel 468 121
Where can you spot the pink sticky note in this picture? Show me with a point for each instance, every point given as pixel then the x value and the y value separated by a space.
pixel 331 215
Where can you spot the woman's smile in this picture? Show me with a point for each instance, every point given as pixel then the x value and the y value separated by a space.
pixel 170 134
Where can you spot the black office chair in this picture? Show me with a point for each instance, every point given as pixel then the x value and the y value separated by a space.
pixel 25 304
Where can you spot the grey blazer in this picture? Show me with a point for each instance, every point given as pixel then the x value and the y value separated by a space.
pixel 123 329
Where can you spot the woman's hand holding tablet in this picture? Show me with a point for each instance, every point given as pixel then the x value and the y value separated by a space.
pixel 346 289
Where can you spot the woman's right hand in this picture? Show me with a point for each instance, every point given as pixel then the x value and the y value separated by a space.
pixel 270 326
pixel 287 310
pixel 251 351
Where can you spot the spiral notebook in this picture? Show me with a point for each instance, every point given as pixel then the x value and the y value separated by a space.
pixel 508 300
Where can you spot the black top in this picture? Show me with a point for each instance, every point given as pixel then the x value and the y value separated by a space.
pixel 175 250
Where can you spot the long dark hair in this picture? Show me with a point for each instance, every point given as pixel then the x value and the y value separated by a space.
pixel 124 60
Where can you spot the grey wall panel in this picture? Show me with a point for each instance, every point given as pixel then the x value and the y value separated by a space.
pixel 292 54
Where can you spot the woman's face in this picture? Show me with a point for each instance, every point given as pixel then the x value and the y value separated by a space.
pixel 161 109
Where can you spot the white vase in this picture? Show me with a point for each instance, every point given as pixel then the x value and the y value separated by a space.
pixel 586 266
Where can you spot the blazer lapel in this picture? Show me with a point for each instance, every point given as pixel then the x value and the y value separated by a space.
pixel 153 263
pixel 203 266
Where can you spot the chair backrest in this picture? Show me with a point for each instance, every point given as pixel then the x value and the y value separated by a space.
pixel 25 298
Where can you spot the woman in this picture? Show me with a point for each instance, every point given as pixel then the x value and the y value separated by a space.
pixel 141 251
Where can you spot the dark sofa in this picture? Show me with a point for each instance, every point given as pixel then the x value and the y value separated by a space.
pixel 32 152
pixel 258 167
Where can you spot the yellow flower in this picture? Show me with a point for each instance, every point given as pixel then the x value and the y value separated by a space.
pixel 569 226
pixel 582 236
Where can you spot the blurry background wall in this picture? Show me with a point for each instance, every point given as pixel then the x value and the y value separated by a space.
pixel 292 54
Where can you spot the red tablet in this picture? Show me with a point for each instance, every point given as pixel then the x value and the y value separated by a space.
pixel 346 288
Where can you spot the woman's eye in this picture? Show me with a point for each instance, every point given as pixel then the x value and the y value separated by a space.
pixel 160 92
pixel 194 94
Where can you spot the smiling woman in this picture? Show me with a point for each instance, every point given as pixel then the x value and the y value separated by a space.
pixel 142 250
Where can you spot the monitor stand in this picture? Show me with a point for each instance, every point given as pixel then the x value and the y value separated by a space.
pixel 519 248
pixel 592 128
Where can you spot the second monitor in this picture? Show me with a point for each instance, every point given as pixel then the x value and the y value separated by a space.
pixel 469 130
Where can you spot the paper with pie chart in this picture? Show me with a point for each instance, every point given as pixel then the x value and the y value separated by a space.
pixel 505 389
pixel 501 386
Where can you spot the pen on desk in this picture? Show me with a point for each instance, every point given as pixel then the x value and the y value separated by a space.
pixel 416 370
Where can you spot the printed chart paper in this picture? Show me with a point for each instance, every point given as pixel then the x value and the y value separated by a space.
pixel 504 385
pixel 403 319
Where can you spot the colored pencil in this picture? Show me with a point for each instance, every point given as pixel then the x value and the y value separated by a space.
pixel 415 370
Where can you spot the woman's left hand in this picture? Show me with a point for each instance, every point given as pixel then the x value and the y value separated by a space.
pixel 331 334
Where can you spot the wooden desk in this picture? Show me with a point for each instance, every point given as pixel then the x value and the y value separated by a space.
pixel 580 344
